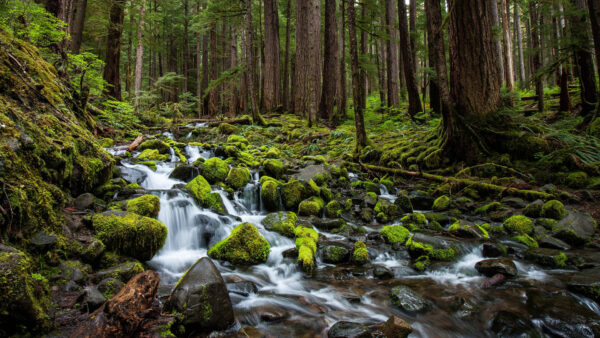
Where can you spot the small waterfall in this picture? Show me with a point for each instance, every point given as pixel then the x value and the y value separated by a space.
pixel 174 157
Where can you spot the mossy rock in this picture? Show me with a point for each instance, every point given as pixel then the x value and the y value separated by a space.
pixel 333 209
pixel 527 240
pixel 237 139
pixel 417 249
pixel 130 234
pixel 534 209
pixel 146 205
pixel 518 224
pixel 215 170
pixel 274 168
pixel 227 129
pixel 245 246
pixel 465 229
pixel 547 257
pixel 360 255
pixel 273 153
pixel 159 145
pixel 394 234
pixel 441 203
pixel 269 195
pixel 414 221
pixel 281 222
pixel 387 209
pixel 578 179
pixel 237 178
pixel 292 194
pixel 311 207
pixel 489 208
pixel 153 155
pixel 367 185
pixel 24 295
pixel 201 191
pixel 553 209
pixel 306 243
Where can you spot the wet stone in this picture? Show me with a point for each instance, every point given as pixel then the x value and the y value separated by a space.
pixel 271 313
pixel 43 240
pixel 552 243
pixel 345 329
pixel 93 298
pixel 491 267
pixel 381 272
pixel 243 288
pixel 84 201
pixel 509 324
pixel 408 300
pixel 493 250
pixel 396 327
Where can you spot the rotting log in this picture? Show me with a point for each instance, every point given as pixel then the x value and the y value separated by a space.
pixel 138 140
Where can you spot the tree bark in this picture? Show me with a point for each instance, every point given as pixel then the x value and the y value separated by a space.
pixel 212 96
pixel 233 89
pixel 139 56
pixel 199 66
pixel 594 8
pixel 330 63
pixel 393 66
pixel 113 50
pixel 286 59
pixel 536 55
pixel 271 65
pixel 507 47
pixel 77 26
pixel 256 118
pixel 496 23
pixel 414 100
pixel 308 59
pixel 357 82
pixel 437 55
pixel 519 39
pixel 205 74
pixel 342 92
pixel 382 70
pixel 412 23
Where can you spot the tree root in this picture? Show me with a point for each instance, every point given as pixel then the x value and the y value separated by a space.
pixel 467 171
pixel 480 186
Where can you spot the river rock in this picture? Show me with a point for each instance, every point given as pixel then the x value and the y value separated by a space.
pixel 408 300
pixel 335 253
pixel 381 272
pixel 84 201
pixel 282 222
pixel 93 298
pixel 125 313
pixel 420 200
pixel 202 297
pixel 493 250
pixel 122 272
pixel 546 257
pixel 243 288
pixel 514 202
pixel 345 329
pixel 309 172
pixel 587 283
pixel 490 267
pixel 43 241
pixel 577 228
pixel 549 242
pixel 403 203
pixel 509 324
pixel 110 286
pixel 250 332
pixel 184 173
pixel 271 313
pixel 466 229
pixel 396 327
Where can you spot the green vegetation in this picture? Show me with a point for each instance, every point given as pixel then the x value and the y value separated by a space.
pixel 146 205
pixel 394 234
pixel 518 224
pixel 244 246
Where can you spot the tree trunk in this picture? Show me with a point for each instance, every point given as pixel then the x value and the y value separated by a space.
pixel 113 50
pixel 308 59
pixel 199 66
pixel 594 8
pixel 330 63
pixel 212 96
pixel 437 56
pixel 286 59
pixel 583 60
pixel 507 46
pixel 357 82
pixel 496 24
pixel 414 100
pixel 412 23
pixel 519 44
pixel 341 110
pixel 381 70
pixel 271 66
pixel 536 55
pixel 256 118
pixel 393 66
pixel 77 26
pixel 205 74
pixel 139 56
pixel 233 89
pixel 475 79
pixel 363 53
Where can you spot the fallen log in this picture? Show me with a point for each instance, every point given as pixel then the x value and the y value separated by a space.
pixel 138 140
pixel 481 186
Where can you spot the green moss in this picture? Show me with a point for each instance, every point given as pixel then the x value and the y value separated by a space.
pixel 273 153
pixel 421 263
pixel 292 194
pixel 244 246
pixel 149 164
pixel 153 155
pixel 560 260
pixel 416 219
pixel 326 194
pixel 312 206
pixel 518 224
pixel 333 209
pixel 201 191
pixel 314 188
pixel 547 223
pixel 237 139
pixel 553 209
pixel 441 203
pixel 237 178
pixel 306 259
pixel 132 235
pixel 107 142
pixel 360 255
pixel 527 240
pixel 387 183
pixel 227 129
pixel 394 234
pixel 483 230
pixel 368 186
pixel 274 167
pixel 281 222
pixel 308 242
pixel 159 145
pixel 146 205
pixel 215 170
pixel 302 232
pixel 417 249
pixel 486 209
pixel 270 195
pixel 577 179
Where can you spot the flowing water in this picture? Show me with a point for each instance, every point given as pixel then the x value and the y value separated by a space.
pixel 333 293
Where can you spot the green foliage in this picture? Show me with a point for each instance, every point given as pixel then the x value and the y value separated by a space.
pixel 394 234
pixel 118 115
pixel 244 246
pixel 85 73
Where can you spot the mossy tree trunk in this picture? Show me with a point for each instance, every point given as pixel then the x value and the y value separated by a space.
pixel 357 81
pixel 594 8
pixel 112 74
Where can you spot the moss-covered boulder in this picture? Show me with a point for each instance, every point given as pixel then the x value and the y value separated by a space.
pixel 577 228
pixel 394 234
pixel 441 203
pixel 24 296
pixel 311 207
pixel 547 257
pixel 146 205
pixel 403 203
pixel 227 129
pixel 333 209
pixel 518 224
pixel 578 179
pixel 527 240
pixel 306 243
pixel 419 245
pixel 553 209
pixel 269 195
pixel 414 221
pixel 159 145
pixel 238 177
pixel 534 209
pixel 153 155
pixel 130 234
pixel 466 229
pixel 292 194
pixel 385 210
pixel 201 191
pixel 244 246
pixel 360 255
pixel 215 170
pixel 335 253
pixel 274 168
pixel 282 222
